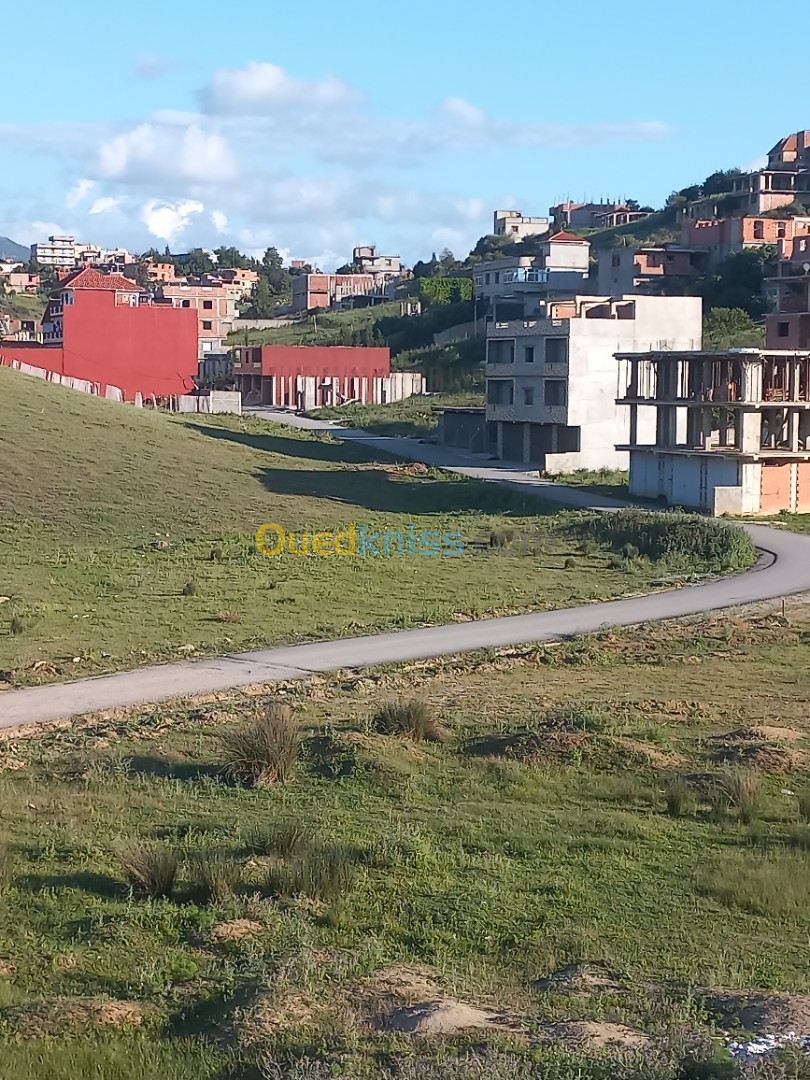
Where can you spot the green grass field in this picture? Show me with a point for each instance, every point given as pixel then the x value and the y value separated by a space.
pixel 415 417
pixel 23 305
pixel 536 836
pixel 127 537
pixel 324 328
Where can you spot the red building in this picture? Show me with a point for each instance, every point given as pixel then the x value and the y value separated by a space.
pixel 101 328
pixel 277 374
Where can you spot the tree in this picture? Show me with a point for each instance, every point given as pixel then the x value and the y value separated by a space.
pixel 272 260
pixel 262 302
pixel 730 328
pixel 231 258
pixel 738 282
pixel 718 183
pixel 347 268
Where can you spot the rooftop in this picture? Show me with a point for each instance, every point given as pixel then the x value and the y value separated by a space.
pixel 94 279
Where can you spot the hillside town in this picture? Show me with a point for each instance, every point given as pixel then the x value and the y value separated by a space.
pixel 590 338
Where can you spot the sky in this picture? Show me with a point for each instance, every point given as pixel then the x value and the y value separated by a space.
pixel 318 126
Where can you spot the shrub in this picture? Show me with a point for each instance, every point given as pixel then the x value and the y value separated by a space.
pixel 685 538
pixel 804 803
pixel 442 290
pixel 630 551
pixel 263 751
pixel 285 839
pixel 6 863
pixel 501 538
pixel 18 625
pixel 680 798
pixel 150 868
pixel 216 554
pixel 799 837
pixel 216 876
pixel 410 719
pixel 743 789
pixel 569 564
pixel 323 873
pixel 615 562
pixel 189 589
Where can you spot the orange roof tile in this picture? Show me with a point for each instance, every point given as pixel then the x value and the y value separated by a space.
pixel 568 237
pixel 93 279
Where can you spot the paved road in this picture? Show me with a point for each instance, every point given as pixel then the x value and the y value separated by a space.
pixel 783 569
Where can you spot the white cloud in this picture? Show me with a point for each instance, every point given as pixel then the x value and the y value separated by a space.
pixel 460 109
pixel 78 192
pixel 104 205
pixel 151 151
pixel 258 88
pixel 167 220
pixel 219 221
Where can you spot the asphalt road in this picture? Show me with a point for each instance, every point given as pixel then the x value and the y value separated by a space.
pixel 782 570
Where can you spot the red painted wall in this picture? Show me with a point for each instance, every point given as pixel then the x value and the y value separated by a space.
pixel 322 361
pixel 150 348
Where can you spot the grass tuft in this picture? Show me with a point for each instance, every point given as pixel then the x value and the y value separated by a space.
pixel 264 750
pixel 17 625
pixel 804 803
pixel 216 877
pixel 324 872
pixel 150 868
pixel 189 589
pixel 285 839
pixel 743 790
pixel 6 863
pixel 228 617
pixel 410 720
pixel 679 797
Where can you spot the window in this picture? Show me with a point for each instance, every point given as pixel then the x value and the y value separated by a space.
pixel 783 329
pixel 616 260
pixel 500 391
pixel 554 392
pixel 207 324
pixel 486 279
pixel 500 351
pixel 185 303
pixel 479 280
pixel 528 354
pixel 497 277
pixel 781 230
pixel 528 395
pixel 759 230
pixel 208 305
pixel 556 350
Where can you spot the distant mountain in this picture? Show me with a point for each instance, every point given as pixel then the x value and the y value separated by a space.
pixel 10 250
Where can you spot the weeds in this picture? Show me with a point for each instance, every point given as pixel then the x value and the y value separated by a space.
pixel 743 790
pixel 286 839
pixel 6 863
pixel 150 868
pixel 410 720
pixel 679 797
pixel 228 617
pixel 323 873
pixel 17 625
pixel 265 750
pixel 189 589
pixel 804 803
pixel 217 876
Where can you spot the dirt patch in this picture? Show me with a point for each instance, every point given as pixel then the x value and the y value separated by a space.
pixel 57 1016
pixel 274 1013
pixel 531 747
pixel 762 1013
pixel 595 1035
pixel 751 747
pixel 399 984
pixel 235 930
pixel 659 759
pixel 443 1016
pixel 581 979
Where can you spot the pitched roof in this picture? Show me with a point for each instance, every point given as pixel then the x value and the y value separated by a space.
pixel 568 237
pixel 93 279
pixel 799 140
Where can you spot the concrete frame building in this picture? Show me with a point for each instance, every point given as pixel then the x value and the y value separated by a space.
pixel 59 251
pixel 326 290
pixel 730 431
pixel 561 266
pixel 788 325
pixel 513 224
pixel 667 270
pixel 551 379
pixel 382 268
pixel 591 215
pixel 216 311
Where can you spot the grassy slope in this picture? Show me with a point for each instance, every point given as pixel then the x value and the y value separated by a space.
pixel 318 330
pixel 23 306
pixel 493 871
pixel 87 487
pixel 414 417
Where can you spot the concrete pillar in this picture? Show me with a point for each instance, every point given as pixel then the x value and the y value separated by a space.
pixel 527 443
pixel 681 416
pixel 793 429
pixel 499 441
pixel 750 432
pixel 633 433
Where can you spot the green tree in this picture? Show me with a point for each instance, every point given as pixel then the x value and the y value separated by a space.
pixel 739 281
pixel 731 328
pixel 719 182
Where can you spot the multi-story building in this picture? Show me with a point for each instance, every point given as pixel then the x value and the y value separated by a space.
pixel 513 224
pixel 727 432
pixel 788 324
pixel 215 306
pixel 561 265
pixel 382 268
pixel 721 237
pixel 326 290
pixel 310 376
pixel 551 379
pixel 101 328
pixel 590 215
pixel 59 251
pixel 239 280
pixel 17 281
pixel 655 271
pixel 785 179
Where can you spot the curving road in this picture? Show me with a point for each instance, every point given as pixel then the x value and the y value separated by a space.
pixel 782 570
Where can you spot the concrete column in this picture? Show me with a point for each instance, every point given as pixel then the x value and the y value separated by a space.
pixel 793 429
pixel 750 432
pixel 527 443
pixel 633 433
pixel 499 444
pixel 555 438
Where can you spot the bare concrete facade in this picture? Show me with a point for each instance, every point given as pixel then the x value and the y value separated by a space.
pixel 731 431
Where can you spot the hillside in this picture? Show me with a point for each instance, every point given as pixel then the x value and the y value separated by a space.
pixel 128 536
pixel 23 305
pixel 10 250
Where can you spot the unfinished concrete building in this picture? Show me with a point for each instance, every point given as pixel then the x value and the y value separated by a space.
pixel 732 429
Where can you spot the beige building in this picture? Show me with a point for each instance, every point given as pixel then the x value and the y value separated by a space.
pixel 513 224
pixel 215 307
pixel 561 265
pixel 551 379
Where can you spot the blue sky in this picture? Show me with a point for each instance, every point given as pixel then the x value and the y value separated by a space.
pixel 319 125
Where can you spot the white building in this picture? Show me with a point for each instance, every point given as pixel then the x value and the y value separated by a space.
pixel 727 432
pixel 513 224
pixel 59 251
pixel 552 380
pixel 562 264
